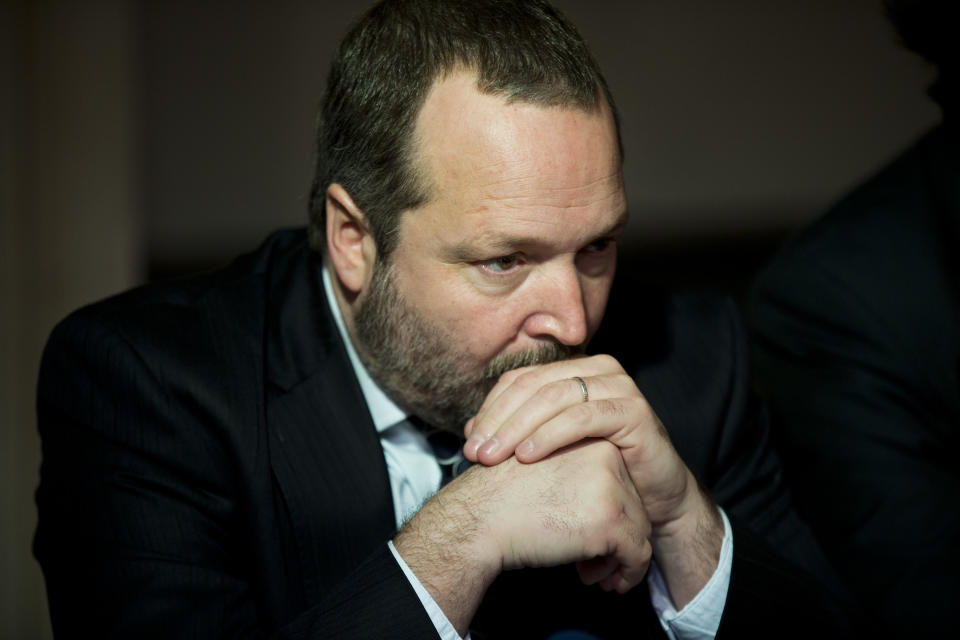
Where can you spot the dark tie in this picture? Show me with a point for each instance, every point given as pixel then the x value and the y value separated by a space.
pixel 447 449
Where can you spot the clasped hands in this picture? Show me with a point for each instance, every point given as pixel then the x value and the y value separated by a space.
pixel 563 480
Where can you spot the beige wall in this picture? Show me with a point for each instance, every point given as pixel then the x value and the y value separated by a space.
pixel 178 133
pixel 68 231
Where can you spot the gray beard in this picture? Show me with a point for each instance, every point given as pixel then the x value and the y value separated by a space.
pixel 418 364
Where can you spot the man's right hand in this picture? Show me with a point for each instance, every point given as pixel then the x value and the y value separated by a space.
pixel 577 505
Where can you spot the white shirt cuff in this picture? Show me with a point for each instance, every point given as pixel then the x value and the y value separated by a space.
pixel 439 619
pixel 700 619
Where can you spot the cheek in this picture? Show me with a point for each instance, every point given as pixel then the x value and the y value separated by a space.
pixel 595 296
pixel 477 326
pixel 483 327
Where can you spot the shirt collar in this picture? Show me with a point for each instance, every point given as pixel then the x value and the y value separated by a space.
pixel 384 411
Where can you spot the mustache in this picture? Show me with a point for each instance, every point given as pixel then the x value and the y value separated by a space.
pixel 544 354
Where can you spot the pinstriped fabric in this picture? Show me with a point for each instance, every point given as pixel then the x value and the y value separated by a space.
pixel 184 495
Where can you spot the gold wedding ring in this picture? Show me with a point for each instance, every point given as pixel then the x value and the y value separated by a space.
pixel 583 388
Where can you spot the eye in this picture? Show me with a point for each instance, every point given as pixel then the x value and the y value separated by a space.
pixel 598 246
pixel 501 264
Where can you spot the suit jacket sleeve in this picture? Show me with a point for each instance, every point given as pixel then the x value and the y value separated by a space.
pixel 145 492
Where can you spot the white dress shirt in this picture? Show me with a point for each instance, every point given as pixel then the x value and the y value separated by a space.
pixel 415 477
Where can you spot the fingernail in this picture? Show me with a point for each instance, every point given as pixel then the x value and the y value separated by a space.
pixel 489 447
pixel 525 448
pixel 473 445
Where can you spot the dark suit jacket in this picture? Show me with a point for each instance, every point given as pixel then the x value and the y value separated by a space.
pixel 210 469
pixel 857 328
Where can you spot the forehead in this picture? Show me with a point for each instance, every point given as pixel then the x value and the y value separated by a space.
pixel 518 164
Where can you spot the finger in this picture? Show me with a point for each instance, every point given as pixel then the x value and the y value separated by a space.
pixel 631 569
pixel 624 421
pixel 616 582
pixel 554 383
pixel 514 387
pixel 480 432
pixel 629 529
pixel 534 377
pixel 623 569
pixel 495 432
pixel 596 569
pixel 547 403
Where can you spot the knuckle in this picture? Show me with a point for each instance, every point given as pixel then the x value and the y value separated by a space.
pixel 624 384
pixel 607 407
pixel 581 414
pixel 556 391
pixel 639 406
pixel 611 513
pixel 525 380
pixel 645 552
pixel 598 543
pixel 638 534
pixel 608 362
pixel 636 403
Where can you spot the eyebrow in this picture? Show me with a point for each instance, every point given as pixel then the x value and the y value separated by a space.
pixel 466 252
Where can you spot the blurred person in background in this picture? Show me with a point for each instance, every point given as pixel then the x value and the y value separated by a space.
pixel 856 330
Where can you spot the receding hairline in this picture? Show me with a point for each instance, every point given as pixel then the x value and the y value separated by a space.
pixel 526 51
pixel 415 161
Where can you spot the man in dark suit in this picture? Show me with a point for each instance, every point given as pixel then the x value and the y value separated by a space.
pixel 857 330
pixel 240 454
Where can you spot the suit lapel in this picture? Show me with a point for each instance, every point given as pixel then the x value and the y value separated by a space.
pixel 325 453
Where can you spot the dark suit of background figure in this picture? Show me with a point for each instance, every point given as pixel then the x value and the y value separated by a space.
pixel 857 330
pixel 210 469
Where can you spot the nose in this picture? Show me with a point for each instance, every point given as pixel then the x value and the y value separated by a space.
pixel 559 311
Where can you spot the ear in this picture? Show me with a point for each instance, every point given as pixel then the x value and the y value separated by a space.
pixel 350 244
